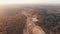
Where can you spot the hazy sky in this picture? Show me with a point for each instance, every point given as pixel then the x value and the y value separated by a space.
pixel 29 1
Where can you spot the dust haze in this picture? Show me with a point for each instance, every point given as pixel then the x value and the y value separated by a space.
pixel 29 19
